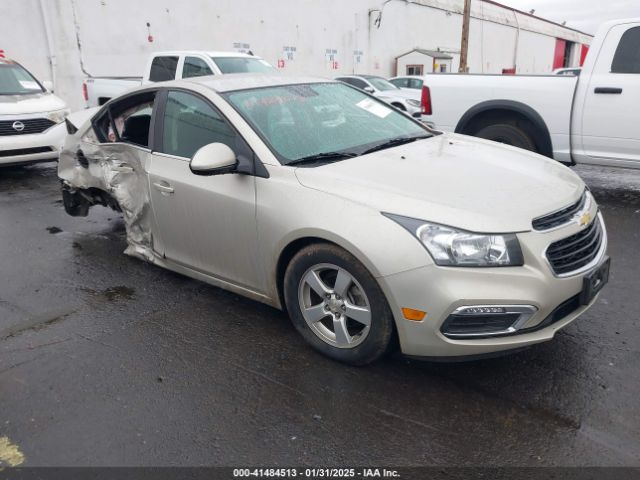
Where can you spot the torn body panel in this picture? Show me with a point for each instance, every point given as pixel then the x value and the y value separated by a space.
pixel 113 175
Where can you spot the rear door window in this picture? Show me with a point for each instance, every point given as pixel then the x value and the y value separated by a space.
pixel 163 69
pixel 127 121
pixel 195 67
pixel 627 56
pixel 103 127
pixel 133 124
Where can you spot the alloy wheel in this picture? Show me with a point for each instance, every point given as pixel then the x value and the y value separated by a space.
pixel 334 305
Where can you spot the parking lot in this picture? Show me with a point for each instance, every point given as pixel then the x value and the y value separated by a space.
pixel 106 360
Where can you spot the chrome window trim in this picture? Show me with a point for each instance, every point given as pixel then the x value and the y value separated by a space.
pixel 174 157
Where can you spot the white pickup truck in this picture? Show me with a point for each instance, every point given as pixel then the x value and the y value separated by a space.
pixel 175 65
pixel 593 118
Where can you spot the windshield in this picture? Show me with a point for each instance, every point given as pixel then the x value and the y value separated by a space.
pixel 242 65
pixel 307 120
pixel 15 80
pixel 381 84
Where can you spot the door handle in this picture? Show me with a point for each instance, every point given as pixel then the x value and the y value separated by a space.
pixel 122 168
pixel 609 90
pixel 164 187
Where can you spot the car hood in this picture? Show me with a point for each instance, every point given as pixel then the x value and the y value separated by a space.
pixel 455 180
pixel 32 103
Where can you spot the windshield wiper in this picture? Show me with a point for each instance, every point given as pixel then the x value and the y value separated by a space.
pixel 394 142
pixel 322 157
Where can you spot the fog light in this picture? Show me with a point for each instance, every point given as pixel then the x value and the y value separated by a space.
pixel 482 310
pixel 477 321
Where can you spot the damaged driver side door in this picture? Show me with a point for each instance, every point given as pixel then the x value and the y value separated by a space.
pixel 120 159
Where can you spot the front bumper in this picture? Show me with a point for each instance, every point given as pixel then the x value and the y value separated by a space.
pixel 38 147
pixel 440 291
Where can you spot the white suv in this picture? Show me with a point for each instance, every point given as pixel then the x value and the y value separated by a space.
pixel 31 118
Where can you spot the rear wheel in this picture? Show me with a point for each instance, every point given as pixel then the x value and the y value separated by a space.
pixel 337 305
pixel 508 134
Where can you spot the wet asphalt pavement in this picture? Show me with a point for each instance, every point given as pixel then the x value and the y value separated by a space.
pixel 106 360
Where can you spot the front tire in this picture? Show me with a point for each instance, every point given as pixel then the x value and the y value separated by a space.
pixel 337 305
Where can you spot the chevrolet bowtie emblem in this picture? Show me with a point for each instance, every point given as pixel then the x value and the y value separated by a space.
pixel 585 219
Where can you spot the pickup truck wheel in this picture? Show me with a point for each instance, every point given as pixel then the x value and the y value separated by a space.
pixel 508 134
pixel 337 305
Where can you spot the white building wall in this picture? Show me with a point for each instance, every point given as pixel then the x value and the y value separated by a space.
pixel 533 53
pixel 491 47
pixel 23 36
pixel 110 37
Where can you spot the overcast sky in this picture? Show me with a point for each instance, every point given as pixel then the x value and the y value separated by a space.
pixel 585 15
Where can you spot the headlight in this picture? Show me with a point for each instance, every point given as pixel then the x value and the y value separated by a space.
pixel 414 103
pixel 58 116
pixel 457 248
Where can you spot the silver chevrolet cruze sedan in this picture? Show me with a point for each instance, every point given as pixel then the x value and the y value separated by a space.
pixel 362 223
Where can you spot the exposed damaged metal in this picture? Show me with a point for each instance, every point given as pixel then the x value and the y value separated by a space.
pixel 111 175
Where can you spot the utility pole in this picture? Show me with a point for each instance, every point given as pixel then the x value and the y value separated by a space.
pixel 464 48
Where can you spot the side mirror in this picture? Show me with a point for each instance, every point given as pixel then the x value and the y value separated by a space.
pixel 214 159
pixel 48 84
pixel 369 89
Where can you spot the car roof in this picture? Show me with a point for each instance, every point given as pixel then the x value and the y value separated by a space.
pixel 205 52
pixel 243 81
pixel 365 77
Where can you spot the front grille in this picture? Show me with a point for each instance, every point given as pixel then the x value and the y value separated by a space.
pixel 560 217
pixel 24 151
pixel 29 126
pixel 574 252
